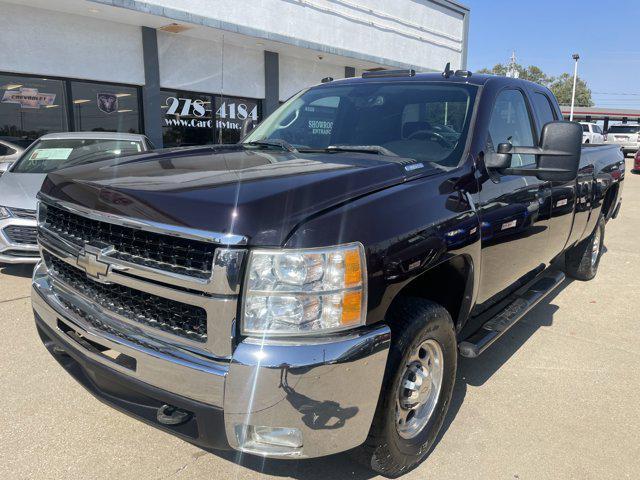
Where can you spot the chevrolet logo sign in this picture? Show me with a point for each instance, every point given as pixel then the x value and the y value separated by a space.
pixel 90 259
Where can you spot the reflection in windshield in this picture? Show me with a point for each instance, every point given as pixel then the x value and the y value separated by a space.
pixel 424 121
pixel 47 155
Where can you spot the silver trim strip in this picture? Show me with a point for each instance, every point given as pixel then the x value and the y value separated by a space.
pixel 148 225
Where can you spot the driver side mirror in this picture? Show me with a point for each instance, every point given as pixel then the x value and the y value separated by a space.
pixel 557 156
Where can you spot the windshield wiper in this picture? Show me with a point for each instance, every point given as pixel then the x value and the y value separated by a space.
pixel 274 142
pixel 361 148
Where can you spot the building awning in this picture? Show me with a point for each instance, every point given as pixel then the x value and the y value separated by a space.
pixel 601 113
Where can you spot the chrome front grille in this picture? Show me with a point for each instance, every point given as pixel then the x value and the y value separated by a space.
pixel 172 254
pixel 22 235
pixel 177 318
pixel 102 263
pixel 23 213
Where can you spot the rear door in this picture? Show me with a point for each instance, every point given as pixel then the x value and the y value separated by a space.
pixel 563 194
pixel 514 210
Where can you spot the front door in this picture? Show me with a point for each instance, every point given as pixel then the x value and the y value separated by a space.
pixel 514 210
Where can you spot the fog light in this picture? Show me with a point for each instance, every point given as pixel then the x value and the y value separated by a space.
pixel 271 441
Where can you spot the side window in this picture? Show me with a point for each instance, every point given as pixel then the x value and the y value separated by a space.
pixel 585 128
pixel 542 104
pixel 510 123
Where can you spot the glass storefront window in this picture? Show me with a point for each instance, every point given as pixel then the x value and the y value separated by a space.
pixel 33 106
pixel 101 107
pixel 30 107
pixel 187 119
pixel 231 115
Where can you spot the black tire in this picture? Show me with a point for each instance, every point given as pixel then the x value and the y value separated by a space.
pixel 579 262
pixel 413 321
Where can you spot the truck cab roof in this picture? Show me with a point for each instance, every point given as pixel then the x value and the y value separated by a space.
pixel 479 79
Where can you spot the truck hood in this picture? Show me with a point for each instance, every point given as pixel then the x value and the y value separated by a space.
pixel 18 190
pixel 261 194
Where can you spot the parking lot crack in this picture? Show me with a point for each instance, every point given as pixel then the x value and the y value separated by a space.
pixel 14 299
pixel 184 466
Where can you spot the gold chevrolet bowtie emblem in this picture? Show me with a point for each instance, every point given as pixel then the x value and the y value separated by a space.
pixel 91 260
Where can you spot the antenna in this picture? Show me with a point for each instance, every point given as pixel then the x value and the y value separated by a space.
pixel 447 70
pixel 512 70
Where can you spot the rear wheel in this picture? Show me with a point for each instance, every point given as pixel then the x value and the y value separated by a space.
pixel 582 260
pixel 419 382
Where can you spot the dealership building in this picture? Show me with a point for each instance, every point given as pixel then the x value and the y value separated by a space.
pixel 191 72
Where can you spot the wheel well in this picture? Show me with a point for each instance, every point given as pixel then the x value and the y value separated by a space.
pixel 446 284
pixel 609 199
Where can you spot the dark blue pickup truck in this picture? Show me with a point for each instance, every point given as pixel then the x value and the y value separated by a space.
pixel 309 290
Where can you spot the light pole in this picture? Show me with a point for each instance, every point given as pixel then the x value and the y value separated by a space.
pixel 576 57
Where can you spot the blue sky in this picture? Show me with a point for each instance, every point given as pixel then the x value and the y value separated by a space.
pixel 545 33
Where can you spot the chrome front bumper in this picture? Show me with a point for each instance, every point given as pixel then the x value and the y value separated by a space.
pixel 17 252
pixel 326 389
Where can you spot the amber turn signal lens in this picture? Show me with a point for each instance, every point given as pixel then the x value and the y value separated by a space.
pixel 352 268
pixel 351 307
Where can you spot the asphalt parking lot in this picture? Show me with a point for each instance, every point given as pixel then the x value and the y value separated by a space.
pixel 557 398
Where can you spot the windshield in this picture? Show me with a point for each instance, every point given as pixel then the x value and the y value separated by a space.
pixel 47 155
pixel 424 121
pixel 624 129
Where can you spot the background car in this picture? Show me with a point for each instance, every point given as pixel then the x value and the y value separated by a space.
pixel 625 135
pixel 22 181
pixel 9 153
pixel 636 163
pixel 592 133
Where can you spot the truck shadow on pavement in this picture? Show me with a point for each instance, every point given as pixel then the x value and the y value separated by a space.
pixel 24 271
pixel 470 372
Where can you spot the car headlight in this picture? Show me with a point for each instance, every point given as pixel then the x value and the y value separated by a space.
pixel 304 292
pixel 4 213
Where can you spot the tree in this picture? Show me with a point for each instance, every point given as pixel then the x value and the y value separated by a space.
pixel 531 73
pixel 563 86
pixel 560 86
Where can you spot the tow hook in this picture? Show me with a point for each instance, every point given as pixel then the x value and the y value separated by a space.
pixel 59 350
pixel 170 415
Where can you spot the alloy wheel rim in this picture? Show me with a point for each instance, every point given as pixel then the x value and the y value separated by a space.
pixel 595 248
pixel 419 389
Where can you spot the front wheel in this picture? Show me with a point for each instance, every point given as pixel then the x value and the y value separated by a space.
pixel 582 260
pixel 419 381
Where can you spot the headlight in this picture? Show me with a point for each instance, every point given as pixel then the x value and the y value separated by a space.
pixel 4 213
pixel 305 292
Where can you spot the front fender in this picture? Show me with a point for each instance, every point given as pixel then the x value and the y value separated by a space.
pixel 406 230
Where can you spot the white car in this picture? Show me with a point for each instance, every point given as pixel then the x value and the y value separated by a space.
pixel 625 135
pixel 23 179
pixel 592 133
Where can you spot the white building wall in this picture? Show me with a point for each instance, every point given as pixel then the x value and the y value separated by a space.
pixel 189 63
pixel 296 74
pixel 45 42
pixel 423 34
